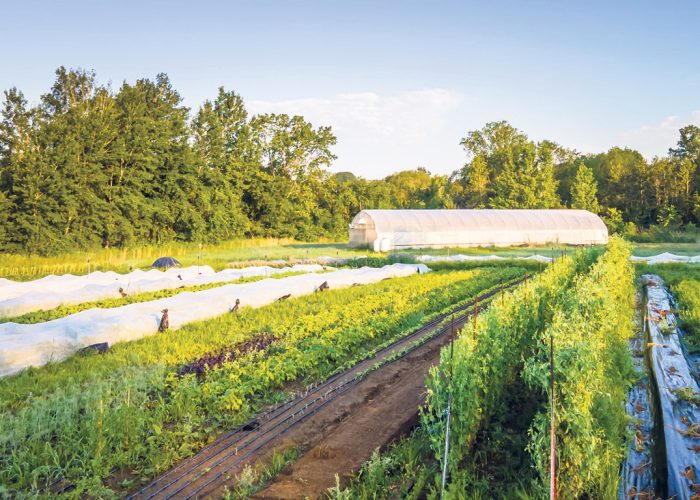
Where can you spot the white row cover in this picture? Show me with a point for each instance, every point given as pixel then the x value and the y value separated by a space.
pixel 467 258
pixel 47 293
pixel 663 258
pixel 667 258
pixel 385 230
pixel 23 345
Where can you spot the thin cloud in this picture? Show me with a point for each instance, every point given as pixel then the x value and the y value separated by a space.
pixel 378 134
pixel 655 140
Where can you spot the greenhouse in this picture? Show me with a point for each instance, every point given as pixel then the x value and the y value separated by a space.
pixel 386 230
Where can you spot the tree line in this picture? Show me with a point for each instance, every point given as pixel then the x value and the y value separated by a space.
pixel 89 166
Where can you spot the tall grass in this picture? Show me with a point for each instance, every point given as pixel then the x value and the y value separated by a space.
pixel 218 256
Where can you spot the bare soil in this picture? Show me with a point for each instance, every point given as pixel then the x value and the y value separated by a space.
pixel 343 435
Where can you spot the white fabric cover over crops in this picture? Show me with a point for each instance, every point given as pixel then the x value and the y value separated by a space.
pixel 466 258
pixel 18 298
pixel 386 230
pixel 667 258
pixel 23 345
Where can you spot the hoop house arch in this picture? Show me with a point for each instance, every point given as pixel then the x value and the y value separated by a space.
pixel 385 230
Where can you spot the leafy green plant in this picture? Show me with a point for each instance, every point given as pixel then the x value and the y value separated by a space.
pixel 253 479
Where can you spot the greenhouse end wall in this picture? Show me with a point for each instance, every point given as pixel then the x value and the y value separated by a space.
pixel 386 230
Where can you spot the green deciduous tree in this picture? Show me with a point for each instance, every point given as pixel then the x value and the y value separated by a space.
pixel 507 170
pixel 584 190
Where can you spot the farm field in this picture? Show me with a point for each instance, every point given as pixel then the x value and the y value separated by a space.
pixel 149 403
pixel 105 424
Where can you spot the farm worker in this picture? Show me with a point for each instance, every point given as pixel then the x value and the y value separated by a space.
pixel 122 292
pixel 164 321
pixel 234 309
pixel 324 286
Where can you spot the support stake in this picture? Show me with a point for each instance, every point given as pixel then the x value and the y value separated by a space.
pixel 476 313
pixel 449 415
pixel 553 436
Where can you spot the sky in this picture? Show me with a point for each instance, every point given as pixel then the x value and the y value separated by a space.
pixel 399 82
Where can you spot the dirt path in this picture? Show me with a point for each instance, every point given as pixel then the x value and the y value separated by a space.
pixel 375 412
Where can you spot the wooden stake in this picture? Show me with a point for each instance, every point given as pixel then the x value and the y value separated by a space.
pixel 476 313
pixel 553 436
pixel 449 414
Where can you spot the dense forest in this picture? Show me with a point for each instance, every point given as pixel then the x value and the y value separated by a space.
pixel 89 166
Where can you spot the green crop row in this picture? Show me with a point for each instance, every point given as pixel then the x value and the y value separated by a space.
pixel 585 304
pixel 684 282
pixel 687 294
pixel 485 357
pixel 592 374
pixel 128 409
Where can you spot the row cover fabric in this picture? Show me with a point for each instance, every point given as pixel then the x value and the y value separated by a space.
pixel 667 258
pixel 47 293
pixel 663 258
pixel 385 230
pixel 468 258
pixel 672 373
pixel 23 345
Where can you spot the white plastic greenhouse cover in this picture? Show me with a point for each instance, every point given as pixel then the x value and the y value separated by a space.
pixel 23 345
pixel 385 230
pixel 17 298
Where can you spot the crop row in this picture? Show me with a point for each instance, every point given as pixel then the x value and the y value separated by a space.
pixel 67 310
pixel 133 410
pixel 592 372
pixel 586 308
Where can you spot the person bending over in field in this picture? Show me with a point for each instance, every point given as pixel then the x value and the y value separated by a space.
pixel 324 286
pixel 122 292
pixel 164 321
pixel 284 297
pixel 234 309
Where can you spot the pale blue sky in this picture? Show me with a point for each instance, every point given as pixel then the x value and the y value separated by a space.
pixel 399 82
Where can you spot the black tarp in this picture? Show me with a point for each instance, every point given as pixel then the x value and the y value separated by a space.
pixel 678 391
pixel 165 262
